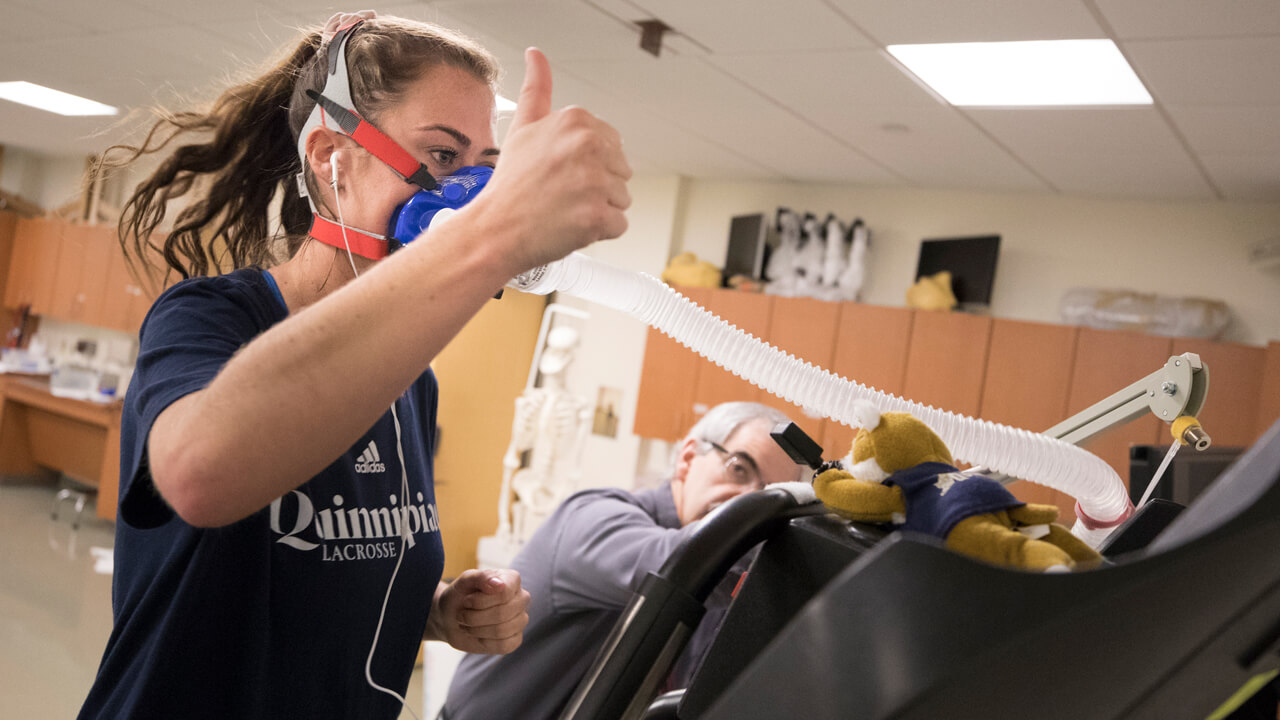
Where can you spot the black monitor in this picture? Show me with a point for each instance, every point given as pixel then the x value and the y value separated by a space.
pixel 1190 472
pixel 971 262
pixel 748 246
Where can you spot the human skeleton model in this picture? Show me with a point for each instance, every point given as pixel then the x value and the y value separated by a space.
pixel 552 426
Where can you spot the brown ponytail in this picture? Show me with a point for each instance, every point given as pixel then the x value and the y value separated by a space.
pixel 249 151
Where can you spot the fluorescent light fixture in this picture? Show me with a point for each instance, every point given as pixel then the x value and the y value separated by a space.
pixel 54 101
pixel 504 105
pixel 1030 73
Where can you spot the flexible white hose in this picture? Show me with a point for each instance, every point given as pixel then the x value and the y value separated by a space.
pixel 1100 494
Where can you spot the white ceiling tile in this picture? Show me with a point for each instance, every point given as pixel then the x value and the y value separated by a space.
pixel 702 99
pixel 734 26
pixel 1120 176
pixel 65 18
pixel 1238 71
pixel 266 31
pixel 1133 19
pixel 930 21
pixel 826 83
pixel 1251 177
pixel 25 127
pixel 566 30
pixel 805 94
pixel 1229 130
pixel 1131 152
pixel 19 20
pixel 199 11
pixel 935 147
pixel 1134 132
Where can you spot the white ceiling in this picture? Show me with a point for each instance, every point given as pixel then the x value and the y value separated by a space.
pixel 797 90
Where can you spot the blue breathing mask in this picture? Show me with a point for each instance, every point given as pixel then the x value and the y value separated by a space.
pixel 452 192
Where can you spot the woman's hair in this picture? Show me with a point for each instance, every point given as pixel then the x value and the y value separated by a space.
pixel 242 150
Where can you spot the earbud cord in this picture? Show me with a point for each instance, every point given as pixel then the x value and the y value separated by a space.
pixel 404 490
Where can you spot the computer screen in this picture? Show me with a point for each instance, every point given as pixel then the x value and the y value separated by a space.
pixel 1186 477
pixel 971 262
pixel 748 240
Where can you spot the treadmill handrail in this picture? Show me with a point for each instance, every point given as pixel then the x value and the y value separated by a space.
pixel 646 641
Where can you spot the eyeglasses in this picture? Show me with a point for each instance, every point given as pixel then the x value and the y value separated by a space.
pixel 739 468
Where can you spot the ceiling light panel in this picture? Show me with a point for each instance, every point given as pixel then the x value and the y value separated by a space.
pixel 1025 74
pixel 50 100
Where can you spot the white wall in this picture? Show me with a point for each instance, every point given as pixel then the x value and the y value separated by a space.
pixel 612 349
pixel 1049 243
pixel 47 180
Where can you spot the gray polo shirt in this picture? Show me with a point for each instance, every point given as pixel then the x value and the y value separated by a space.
pixel 580 568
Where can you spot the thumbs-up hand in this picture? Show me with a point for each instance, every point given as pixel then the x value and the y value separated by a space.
pixel 561 183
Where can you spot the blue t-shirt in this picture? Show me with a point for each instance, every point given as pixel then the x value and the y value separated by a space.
pixel 938 496
pixel 272 616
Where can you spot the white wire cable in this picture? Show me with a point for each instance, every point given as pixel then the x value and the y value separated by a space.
pixel 1155 479
pixel 404 486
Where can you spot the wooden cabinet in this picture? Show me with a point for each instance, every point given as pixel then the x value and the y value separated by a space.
pixel 1269 398
pixel 750 312
pixel 664 406
pixel 8 234
pixel 1107 361
pixel 805 328
pixel 80 438
pixel 80 282
pixel 34 264
pixel 1026 386
pixel 76 273
pixel 871 349
pixel 947 361
pixel 125 302
pixel 1235 385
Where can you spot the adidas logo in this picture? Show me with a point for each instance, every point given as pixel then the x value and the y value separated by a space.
pixel 369 460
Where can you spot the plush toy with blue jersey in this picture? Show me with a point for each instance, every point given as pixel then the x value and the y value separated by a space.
pixel 900 473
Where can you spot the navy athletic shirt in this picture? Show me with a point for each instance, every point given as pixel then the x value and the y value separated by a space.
pixel 925 486
pixel 272 616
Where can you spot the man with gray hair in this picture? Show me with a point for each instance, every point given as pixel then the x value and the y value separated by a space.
pixel 582 566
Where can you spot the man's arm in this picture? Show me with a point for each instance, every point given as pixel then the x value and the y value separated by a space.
pixel 605 547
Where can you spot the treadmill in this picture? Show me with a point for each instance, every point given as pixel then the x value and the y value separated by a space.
pixel 837 619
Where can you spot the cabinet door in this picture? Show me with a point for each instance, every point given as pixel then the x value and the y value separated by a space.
pixel 116 298
pixel 34 264
pixel 1027 383
pixel 1107 361
pixel 749 312
pixel 125 299
pixel 666 388
pixel 1269 399
pixel 17 289
pixel 947 361
pixel 91 289
pixel 664 406
pixel 8 231
pixel 805 328
pixel 871 349
pixel 73 244
pixel 1230 410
